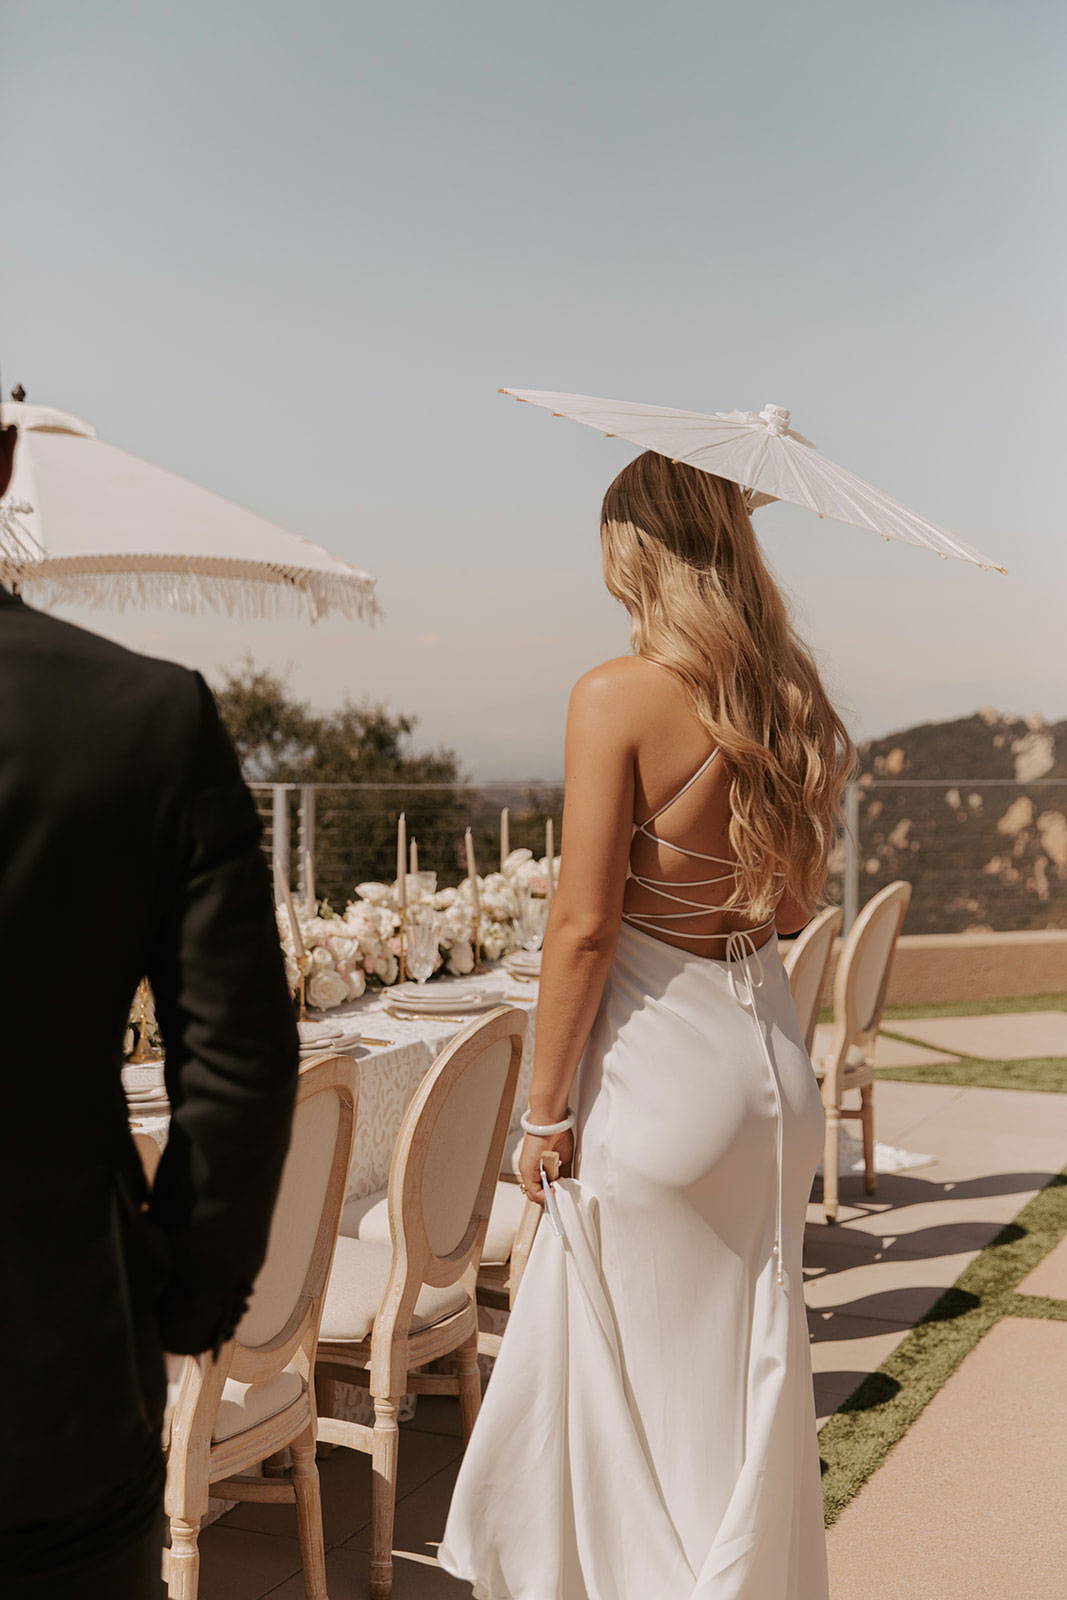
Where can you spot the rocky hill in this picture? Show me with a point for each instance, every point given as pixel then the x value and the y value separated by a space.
pixel 974 814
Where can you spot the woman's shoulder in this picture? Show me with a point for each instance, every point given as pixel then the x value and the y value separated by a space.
pixel 629 680
pixel 628 694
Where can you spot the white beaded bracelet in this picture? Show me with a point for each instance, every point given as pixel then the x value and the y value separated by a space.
pixel 544 1130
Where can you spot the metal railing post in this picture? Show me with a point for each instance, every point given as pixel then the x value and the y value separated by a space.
pixel 850 888
pixel 279 842
pixel 307 846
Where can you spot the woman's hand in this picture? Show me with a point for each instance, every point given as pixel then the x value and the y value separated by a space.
pixel 533 1148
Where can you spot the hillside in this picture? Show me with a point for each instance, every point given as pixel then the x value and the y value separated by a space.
pixel 974 814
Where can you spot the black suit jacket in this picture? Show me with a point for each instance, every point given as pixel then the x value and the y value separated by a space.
pixel 129 846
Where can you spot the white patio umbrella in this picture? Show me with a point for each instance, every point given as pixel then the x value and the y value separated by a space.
pixel 761 452
pixel 85 522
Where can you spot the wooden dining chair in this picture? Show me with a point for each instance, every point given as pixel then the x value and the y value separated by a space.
pixel 860 985
pixel 508 1237
pixel 806 962
pixel 258 1397
pixel 393 1307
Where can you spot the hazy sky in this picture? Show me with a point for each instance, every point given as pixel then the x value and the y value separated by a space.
pixel 292 251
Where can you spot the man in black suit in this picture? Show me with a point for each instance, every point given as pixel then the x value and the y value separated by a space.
pixel 129 846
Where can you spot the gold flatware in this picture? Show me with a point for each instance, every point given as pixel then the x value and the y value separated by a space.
pixel 366 1039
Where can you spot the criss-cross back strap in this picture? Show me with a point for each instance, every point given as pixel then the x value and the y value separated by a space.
pixel 686 786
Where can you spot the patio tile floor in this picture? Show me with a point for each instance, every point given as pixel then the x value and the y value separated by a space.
pixel 970 1502
pixel 866 1280
pixel 1049 1277
pixel 1008 1036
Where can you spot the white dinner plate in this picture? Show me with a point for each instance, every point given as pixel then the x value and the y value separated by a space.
pixel 423 994
pixel 482 1002
pixel 337 1042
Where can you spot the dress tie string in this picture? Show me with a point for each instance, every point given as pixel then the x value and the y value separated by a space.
pixel 740 947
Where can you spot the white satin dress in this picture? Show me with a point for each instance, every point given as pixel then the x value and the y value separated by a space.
pixel 648 1432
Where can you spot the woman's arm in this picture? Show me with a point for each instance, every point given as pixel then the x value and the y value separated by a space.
pixel 587 910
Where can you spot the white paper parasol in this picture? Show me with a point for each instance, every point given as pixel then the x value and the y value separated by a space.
pixel 86 523
pixel 761 452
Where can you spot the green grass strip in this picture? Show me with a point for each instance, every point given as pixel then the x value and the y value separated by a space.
pixel 861 1433
pixel 1003 1006
pixel 1043 1074
pixel 980 1008
pixel 1037 1305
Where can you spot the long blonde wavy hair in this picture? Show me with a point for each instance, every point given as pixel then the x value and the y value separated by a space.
pixel 681 554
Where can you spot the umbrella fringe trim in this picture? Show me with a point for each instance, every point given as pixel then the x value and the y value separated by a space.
pixel 292 593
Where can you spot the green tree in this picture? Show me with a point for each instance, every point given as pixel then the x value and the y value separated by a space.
pixel 280 739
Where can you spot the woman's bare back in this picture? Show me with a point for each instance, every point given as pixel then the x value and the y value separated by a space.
pixel 670 746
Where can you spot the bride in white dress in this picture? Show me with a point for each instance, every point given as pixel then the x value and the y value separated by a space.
pixel 648 1432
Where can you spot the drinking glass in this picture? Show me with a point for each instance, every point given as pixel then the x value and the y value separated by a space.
pixel 532 918
pixel 422 937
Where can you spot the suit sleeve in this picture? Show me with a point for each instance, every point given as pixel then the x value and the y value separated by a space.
pixel 231 1050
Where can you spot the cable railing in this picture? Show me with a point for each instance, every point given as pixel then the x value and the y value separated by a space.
pixel 340 835
pixel 981 854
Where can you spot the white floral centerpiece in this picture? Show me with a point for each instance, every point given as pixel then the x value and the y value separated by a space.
pixel 362 946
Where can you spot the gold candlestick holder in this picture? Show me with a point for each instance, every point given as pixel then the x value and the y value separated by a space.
pixel 402 953
pixel 303 966
pixel 144 1051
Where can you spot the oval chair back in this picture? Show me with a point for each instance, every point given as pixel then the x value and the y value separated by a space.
pixel 806 962
pixel 279 1330
pixel 862 977
pixel 442 1180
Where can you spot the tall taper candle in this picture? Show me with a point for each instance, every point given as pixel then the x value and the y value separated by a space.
pixel 309 884
pixel 281 892
pixel 550 856
pixel 505 837
pixel 472 874
pixel 413 856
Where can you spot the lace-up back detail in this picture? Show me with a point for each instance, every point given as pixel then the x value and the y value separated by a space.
pixel 659 921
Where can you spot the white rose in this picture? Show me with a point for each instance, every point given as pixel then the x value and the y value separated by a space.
pixel 375 893
pixel 386 967
pixel 456 924
pixel 327 989
pixel 494 941
pixel 445 898
pixel 321 958
pixel 357 983
pixel 345 951
pixel 517 859
pixel 461 958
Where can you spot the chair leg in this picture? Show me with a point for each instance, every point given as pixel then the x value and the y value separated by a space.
pixel 870 1176
pixel 183 1565
pixel 831 1156
pixel 469 1382
pixel 385 1442
pixel 309 1515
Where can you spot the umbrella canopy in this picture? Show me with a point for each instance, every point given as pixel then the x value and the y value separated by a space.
pixel 761 452
pixel 84 522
